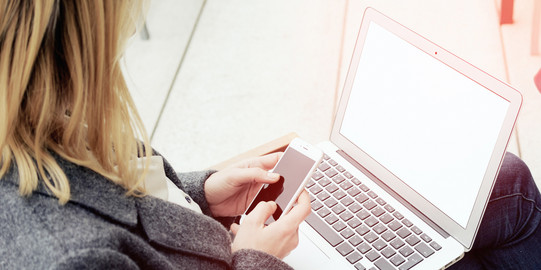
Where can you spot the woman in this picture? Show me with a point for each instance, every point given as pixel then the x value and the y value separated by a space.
pixel 78 190
pixel 75 177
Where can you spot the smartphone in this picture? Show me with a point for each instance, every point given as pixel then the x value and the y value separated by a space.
pixel 295 167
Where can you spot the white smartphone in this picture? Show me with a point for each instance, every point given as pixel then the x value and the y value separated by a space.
pixel 295 167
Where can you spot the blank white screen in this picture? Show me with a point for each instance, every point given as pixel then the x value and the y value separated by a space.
pixel 429 125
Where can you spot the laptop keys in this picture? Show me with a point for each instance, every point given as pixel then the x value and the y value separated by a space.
pixel 355 240
pixel 323 212
pixel 324 166
pixel 338 179
pixel 413 240
pixel 317 175
pixel 344 249
pixel 361 198
pixel 354 191
pixel 339 226
pixel 339 194
pixel 435 245
pixel 324 182
pixel 324 230
pixel 425 250
pixel 372 255
pixel 347 201
pixel 364 248
pixel 331 219
pixel 330 203
pixel 363 214
pixel 316 205
pixel 395 225
pixel 360 225
pixel 378 211
pixel 340 169
pixel 332 162
pixel 359 266
pixel 369 204
pixel 331 188
pixel 386 218
pixel 330 173
pixel 354 208
pixel 379 244
pixel 397 243
pixel 426 238
pixel 397 260
pixel 347 233
pixel 404 232
pixel 345 185
pixel 383 264
pixel 323 196
pixel 338 209
pixel 412 261
pixel 406 251
pixel 362 230
pixel 354 257
pixel 407 222
pixel 388 252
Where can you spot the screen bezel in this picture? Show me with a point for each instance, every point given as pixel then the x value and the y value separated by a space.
pixel 465 235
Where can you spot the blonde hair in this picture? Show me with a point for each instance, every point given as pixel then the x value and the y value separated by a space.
pixel 62 90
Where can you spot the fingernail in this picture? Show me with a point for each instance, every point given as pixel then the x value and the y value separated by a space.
pixel 272 176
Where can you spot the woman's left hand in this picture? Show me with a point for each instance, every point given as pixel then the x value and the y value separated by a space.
pixel 230 191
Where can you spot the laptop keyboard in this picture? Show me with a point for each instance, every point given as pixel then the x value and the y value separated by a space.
pixel 359 224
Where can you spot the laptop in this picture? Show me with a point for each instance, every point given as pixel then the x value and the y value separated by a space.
pixel 414 151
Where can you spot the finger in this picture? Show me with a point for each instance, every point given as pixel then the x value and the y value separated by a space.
pixel 265 162
pixel 242 176
pixel 260 214
pixel 300 211
pixel 234 228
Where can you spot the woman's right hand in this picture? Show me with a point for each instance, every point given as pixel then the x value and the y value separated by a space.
pixel 278 238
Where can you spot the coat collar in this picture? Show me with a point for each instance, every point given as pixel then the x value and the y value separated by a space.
pixel 90 190
pixel 164 223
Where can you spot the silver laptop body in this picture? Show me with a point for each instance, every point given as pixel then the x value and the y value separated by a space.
pixel 414 152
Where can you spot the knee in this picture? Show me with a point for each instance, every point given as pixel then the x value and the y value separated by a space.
pixel 514 167
pixel 515 174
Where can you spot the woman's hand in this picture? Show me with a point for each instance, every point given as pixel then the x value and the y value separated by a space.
pixel 278 238
pixel 230 191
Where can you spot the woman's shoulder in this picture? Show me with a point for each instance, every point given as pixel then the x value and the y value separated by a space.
pixel 100 220
pixel 38 231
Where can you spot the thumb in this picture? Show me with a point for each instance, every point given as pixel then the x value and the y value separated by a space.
pixel 260 214
pixel 234 228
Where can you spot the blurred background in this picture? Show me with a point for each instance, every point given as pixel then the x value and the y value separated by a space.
pixel 215 78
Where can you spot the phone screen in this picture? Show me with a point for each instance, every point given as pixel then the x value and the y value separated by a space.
pixel 293 168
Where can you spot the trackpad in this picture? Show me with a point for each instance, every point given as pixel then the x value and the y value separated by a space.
pixel 308 256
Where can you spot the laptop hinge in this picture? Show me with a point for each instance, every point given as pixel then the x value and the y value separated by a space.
pixel 437 228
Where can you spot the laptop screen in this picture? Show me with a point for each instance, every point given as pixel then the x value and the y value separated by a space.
pixel 429 125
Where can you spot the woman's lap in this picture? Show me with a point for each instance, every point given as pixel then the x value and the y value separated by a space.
pixel 510 234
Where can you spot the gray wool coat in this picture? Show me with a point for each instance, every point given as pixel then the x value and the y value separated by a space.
pixel 101 228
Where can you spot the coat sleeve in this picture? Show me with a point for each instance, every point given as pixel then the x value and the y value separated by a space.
pixel 95 258
pixel 253 259
pixel 193 183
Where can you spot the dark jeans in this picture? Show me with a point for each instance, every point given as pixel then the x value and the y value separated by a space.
pixel 510 233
